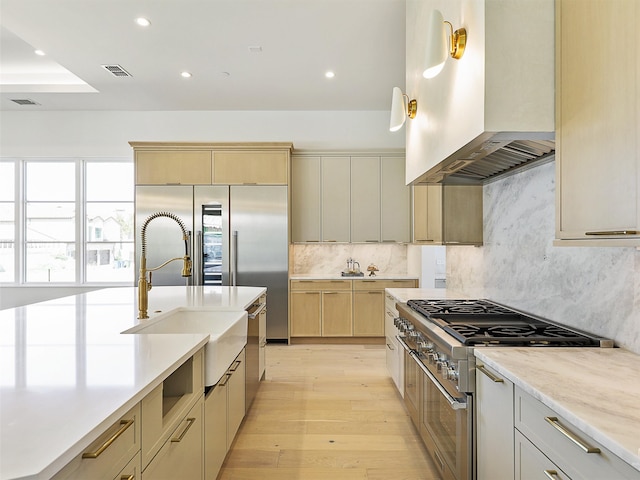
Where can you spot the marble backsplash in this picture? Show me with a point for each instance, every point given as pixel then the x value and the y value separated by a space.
pixel 332 258
pixel 595 289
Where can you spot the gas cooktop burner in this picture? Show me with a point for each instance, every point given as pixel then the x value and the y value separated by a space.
pixel 438 308
pixel 478 322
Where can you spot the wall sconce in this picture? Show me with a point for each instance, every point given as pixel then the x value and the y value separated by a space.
pixel 400 112
pixel 440 44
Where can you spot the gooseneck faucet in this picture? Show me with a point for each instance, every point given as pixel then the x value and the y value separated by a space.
pixel 144 285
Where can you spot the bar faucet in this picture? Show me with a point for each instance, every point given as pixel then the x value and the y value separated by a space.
pixel 144 285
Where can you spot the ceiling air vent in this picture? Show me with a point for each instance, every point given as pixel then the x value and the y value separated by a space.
pixel 116 70
pixel 24 101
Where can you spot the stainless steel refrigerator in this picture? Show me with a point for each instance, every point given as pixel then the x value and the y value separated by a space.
pixel 239 235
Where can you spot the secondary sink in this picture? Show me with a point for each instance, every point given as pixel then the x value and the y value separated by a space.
pixel 227 335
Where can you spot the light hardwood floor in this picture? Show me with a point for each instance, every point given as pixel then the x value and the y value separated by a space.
pixel 327 412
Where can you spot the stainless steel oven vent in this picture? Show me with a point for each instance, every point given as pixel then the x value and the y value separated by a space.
pixel 116 70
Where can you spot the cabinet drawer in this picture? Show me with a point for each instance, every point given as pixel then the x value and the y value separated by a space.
pixel 531 464
pixel 565 444
pixel 320 285
pixel 369 284
pixel 109 453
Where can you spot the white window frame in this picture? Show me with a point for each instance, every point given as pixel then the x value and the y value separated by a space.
pixel 20 260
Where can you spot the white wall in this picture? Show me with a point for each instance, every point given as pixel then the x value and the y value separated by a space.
pixel 106 134
pixel 595 289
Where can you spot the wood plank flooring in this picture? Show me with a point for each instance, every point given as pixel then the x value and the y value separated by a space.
pixel 327 412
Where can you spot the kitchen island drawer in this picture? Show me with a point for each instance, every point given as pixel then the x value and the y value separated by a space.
pixel 371 284
pixel 575 452
pixel 109 453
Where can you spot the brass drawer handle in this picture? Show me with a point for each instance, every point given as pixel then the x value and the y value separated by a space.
pixel 551 474
pixel 128 477
pixel 235 366
pixel 223 383
pixel 124 424
pixel 614 232
pixel 190 422
pixel 553 421
pixel 491 376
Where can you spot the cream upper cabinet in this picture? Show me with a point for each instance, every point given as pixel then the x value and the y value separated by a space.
pixel 598 122
pixel 336 199
pixel 251 167
pixel 355 198
pixel 189 163
pixel 305 199
pixel 395 202
pixel 190 167
pixel 365 199
pixel 447 214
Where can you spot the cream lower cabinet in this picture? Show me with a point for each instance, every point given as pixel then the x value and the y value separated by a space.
pixel 570 451
pixel 598 123
pixel 181 456
pixel 224 410
pixel 394 351
pixel 369 305
pixel 321 308
pixel 494 425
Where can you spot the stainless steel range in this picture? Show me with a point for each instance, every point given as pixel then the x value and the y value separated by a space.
pixel 439 337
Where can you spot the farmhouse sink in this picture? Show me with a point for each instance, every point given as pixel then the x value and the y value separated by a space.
pixel 227 335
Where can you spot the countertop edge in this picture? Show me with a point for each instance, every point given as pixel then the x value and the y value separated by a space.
pixel 550 401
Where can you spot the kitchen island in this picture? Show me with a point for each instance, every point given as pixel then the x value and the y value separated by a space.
pixel 68 373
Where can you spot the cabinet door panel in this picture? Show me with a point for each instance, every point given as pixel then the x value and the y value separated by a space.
pixel 598 150
pixel 305 199
pixel 336 314
pixel 262 168
pixel 305 314
pixel 368 313
pixel 336 199
pixel 189 167
pixel 215 427
pixel 236 397
pixel 182 454
pixel 395 201
pixel 365 199
pixel 531 464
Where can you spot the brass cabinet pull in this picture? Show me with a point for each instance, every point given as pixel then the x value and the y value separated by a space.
pixel 235 367
pixel 190 422
pixel 124 424
pixel 614 232
pixel 128 477
pixel 227 376
pixel 571 436
pixel 551 474
pixel 491 376
pixel 424 240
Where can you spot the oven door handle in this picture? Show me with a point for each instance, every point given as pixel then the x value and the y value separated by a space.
pixel 454 402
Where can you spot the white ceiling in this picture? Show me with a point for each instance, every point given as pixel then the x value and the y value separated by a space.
pixel 362 41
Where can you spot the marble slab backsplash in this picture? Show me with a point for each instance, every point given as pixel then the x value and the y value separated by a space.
pixel 596 289
pixel 332 258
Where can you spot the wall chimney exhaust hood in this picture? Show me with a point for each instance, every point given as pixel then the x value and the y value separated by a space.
pixel 492 156
pixel 492 112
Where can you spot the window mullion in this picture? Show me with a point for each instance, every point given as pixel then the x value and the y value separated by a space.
pixel 20 223
pixel 80 222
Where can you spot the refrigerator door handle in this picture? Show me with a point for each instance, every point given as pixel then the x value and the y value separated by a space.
pixel 234 258
pixel 198 260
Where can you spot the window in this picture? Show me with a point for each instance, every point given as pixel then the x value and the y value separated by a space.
pixel 66 221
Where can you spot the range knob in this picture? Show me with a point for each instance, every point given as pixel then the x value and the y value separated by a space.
pixel 433 357
pixel 452 373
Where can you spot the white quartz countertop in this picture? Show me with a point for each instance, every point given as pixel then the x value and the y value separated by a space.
pixel 338 276
pixel 404 294
pixel 595 389
pixel 67 373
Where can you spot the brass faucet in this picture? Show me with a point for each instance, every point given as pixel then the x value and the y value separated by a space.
pixel 144 285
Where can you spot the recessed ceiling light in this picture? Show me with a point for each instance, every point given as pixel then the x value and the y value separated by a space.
pixel 186 74
pixel 143 22
pixel 39 52
pixel 330 74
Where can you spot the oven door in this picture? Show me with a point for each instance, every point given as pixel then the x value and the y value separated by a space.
pixel 445 426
